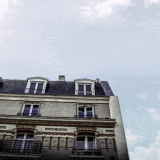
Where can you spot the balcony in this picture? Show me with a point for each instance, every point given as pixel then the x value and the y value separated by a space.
pixel 86 116
pixel 87 153
pixel 20 148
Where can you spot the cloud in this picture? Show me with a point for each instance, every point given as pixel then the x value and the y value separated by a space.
pixel 150 2
pixel 152 152
pixel 158 96
pixel 5 7
pixel 154 114
pixel 143 95
pixel 132 138
pixel 104 9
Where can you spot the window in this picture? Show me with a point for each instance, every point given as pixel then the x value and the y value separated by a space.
pixel 36 85
pixel 84 90
pixel 84 87
pixel 31 110
pixel 85 142
pixel 36 88
pixel 85 112
pixel 23 143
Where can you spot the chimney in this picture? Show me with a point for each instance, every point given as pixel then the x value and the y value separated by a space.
pixel 1 81
pixel 62 78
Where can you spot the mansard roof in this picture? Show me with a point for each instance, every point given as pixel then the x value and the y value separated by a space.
pixel 53 87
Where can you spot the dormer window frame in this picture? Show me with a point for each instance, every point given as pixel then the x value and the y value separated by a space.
pixel 36 81
pixel 84 83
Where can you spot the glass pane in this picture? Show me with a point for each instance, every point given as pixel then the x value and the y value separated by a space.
pixel 32 87
pixel 81 87
pixel 90 139
pixel 89 113
pixel 28 146
pixel 35 110
pixel 88 87
pixel 80 145
pixel 88 93
pixel 80 93
pixel 17 146
pixel 39 88
pixel 91 145
pixel 80 138
pixel 29 137
pixel 81 112
pixel 26 110
pixel 18 143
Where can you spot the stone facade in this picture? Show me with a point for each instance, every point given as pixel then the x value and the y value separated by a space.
pixel 51 126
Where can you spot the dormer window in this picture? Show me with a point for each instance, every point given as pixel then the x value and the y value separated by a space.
pixel 84 87
pixel 36 85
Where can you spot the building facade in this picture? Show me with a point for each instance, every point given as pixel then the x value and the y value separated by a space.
pixel 57 120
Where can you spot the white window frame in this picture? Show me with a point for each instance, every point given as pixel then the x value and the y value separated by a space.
pixel 23 141
pixel 85 82
pixel 31 109
pixel 85 110
pixel 86 142
pixel 36 80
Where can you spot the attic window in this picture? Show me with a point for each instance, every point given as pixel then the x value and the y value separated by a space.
pixel 36 85
pixel 84 87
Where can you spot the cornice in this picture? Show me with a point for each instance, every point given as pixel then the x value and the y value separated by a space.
pixel 53 98
pixel 67 123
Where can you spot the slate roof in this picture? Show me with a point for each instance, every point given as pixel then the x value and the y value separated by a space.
pixel 53 88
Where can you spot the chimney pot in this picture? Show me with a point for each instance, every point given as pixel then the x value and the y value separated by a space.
pixel 62 78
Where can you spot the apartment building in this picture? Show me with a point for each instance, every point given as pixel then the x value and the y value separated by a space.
pixel 60 120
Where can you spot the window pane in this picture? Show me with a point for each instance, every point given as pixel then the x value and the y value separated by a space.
pixel 39 88
pixel 80 138
pixel 32 87
pixel 89 113
pixel 90 139
pixel 18 143
pixel 80 93
pixel 81 112
pixel 88 87
pixel 80 145
pixel 81 87
pixel 26 110
pixel 91 145
pixel 35 110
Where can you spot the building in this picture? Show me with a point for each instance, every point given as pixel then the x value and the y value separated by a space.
pixel 57 120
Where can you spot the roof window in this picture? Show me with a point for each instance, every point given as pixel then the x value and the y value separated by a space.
pixel 84 87
pixel 36 85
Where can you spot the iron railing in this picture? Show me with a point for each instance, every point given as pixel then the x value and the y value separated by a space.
pixel 29 114
pixel 84 92
pixel 86 152
pixel 86 116
pixel 37 91
pixel 21 146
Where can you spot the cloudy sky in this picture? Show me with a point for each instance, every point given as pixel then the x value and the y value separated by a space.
pixel 114 40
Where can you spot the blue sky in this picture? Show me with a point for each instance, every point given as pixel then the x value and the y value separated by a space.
pixel 114 40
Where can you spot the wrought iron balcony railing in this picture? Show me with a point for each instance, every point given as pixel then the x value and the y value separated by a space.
pixel 86 116
pixel 86 152
pixel 29 114
pixel 36 91
pixel 21 146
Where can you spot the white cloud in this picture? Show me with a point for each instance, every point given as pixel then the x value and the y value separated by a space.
pixel 154 114
pixel 5 7
pixel 104 9
pixel 132 138
pixel 150 2
pixel 158 96
pixel 152 152
pixel 143 95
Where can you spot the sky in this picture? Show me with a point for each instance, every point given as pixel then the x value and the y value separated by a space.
pixel 113 40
